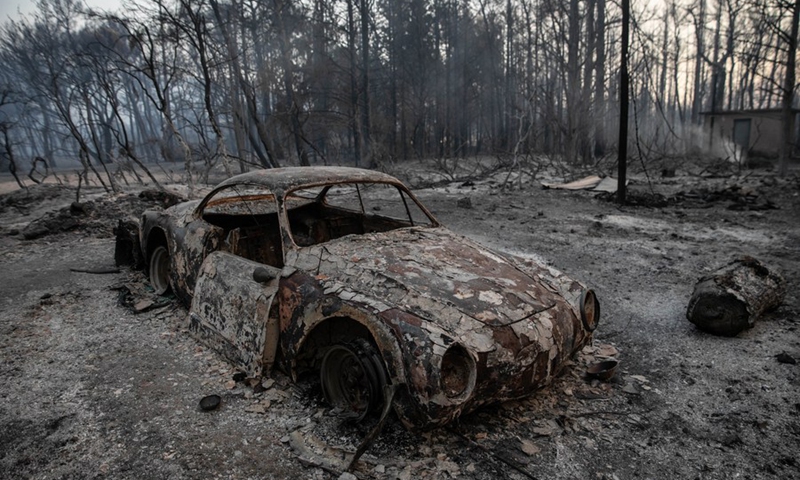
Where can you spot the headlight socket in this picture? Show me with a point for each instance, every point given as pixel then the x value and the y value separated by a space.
pixel 458 373
pixel 590 310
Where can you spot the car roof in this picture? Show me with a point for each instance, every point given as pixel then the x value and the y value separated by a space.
pixel 288 178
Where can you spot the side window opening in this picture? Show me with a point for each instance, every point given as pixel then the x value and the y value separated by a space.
pixel 249 217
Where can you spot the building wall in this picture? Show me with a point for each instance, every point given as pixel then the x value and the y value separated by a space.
pixel 765 129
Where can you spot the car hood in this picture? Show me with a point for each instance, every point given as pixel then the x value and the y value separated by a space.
pixel 430 272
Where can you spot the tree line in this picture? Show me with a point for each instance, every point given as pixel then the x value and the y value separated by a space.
pixel 244 83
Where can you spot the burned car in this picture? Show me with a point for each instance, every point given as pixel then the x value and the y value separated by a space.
pixel 342 273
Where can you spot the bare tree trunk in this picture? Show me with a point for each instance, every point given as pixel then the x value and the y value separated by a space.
pixel 121 134
pixel 733 13
pixel 449 75
pixel 267 160
pixel 509 81
pixel 573 82
pixel 394 72
pixel 586 100
pixel 677 105
pixel 622 158
pixel 365 113
pixel 321 87
pixel 662 81
pixel 440 113
pixel 465 142
pixel 354 113
pixel 84 151
pixel 46 138
pixel 237 121
pixel 600 81
pixel 699 26
pixel 787 145
pixel 292 108
pixel 715 74
pixel 9 152
pixel 140 126
pixel 101 155
pixel 164 105
pixel 200 33
pixel 772 77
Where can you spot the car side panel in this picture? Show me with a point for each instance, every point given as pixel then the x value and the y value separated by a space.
pixel 230 311
pixel 189 241
pixel 191 245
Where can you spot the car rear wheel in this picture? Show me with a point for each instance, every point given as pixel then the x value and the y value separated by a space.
pixel 353 376
pixel 159 270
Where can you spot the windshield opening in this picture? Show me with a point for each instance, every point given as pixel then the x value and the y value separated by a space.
pixel 350 209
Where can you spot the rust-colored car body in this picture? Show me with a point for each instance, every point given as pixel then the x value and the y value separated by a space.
pixel 456 324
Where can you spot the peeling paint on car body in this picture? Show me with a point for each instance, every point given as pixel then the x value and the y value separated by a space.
pixel 416 291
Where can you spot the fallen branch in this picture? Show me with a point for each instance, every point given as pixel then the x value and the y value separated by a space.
pixel 388 395
pixel 511 463
pixel 96 271
pixel 609 412
pixel 311 463
pixel 37 161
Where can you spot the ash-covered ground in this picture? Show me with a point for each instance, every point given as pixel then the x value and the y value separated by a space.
pixel 91 389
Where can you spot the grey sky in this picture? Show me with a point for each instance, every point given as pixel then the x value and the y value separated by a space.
pixel 12 8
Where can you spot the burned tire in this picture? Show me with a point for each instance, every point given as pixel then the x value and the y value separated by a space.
pixel 352 377
pixel 159 270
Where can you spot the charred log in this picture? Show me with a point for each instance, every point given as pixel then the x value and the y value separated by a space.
pixel 731 299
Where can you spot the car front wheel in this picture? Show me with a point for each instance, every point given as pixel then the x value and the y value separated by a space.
pixel 353 376
pixel 159 270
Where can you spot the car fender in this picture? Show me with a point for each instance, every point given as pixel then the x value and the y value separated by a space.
pixel 305 304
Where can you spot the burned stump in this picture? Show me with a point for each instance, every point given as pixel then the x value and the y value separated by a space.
pixel 127 250
pixel 733 297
